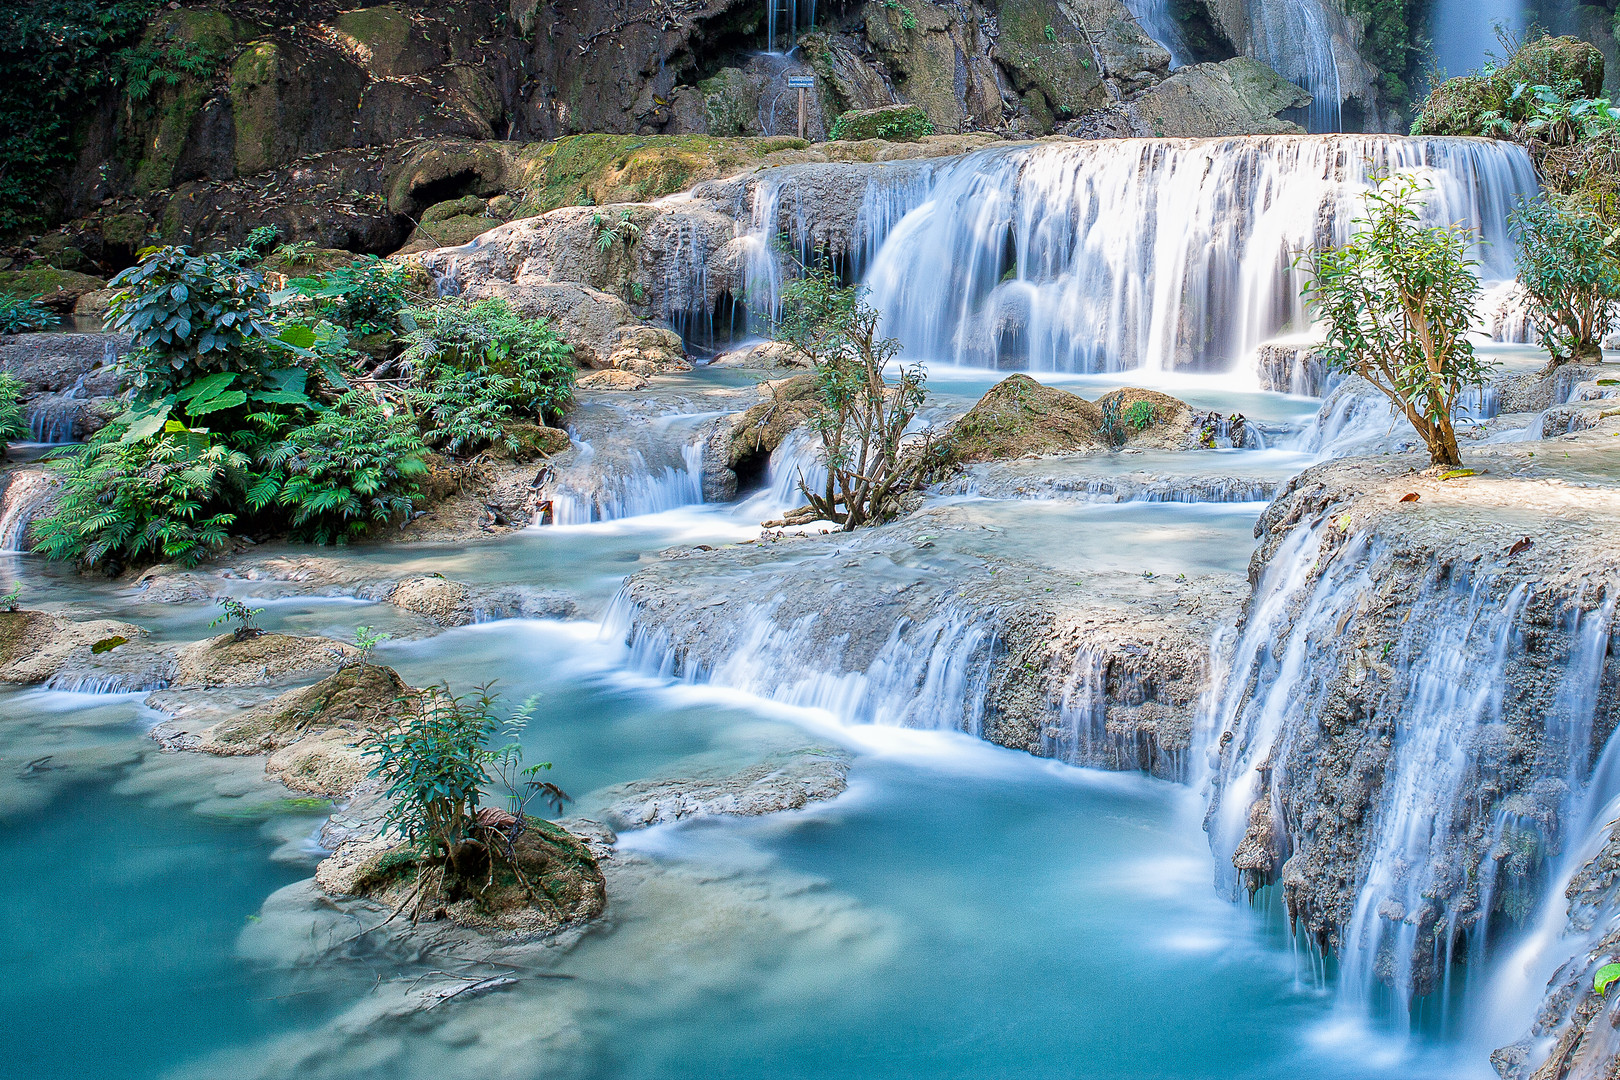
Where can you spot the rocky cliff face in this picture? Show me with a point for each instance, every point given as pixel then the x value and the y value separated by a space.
pixel 1406 735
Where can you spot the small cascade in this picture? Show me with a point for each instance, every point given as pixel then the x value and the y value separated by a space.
pixel 798 458
pixel 53 418
pixel 585 494
pixel 1158 254
pixel 1295 38
pixel 25 493
pixel 1080 736
pixel 790 207
pixel 931 673
pixel 1157 21
pixel 783 18
pixel 1466 782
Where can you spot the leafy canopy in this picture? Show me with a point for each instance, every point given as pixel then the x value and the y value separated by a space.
pixel 1397 300
pixel 1569 264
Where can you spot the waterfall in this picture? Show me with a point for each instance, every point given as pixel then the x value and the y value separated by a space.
pixel 25 494
pixel 1295 38
pixel 607 495
pixel 1153 253
pixel 930 673
pixel 1430 751
pixel 786 12
pixel 1156 20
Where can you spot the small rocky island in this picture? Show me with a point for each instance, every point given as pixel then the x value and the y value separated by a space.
pixel 725 539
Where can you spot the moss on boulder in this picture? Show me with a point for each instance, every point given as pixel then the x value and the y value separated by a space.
pixel 57 289
pixel 1018 417
pixel 896 123
pixel 601 169
pixel 229 660
pixel 1484 104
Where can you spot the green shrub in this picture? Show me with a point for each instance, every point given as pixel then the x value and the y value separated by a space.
pixel 899 123
pixel 350 469
pixel 476 367
pixel 191 316
pixel 1570 271
pixel 165 497
pixel 1398 299
pixel 366 296
pixel 13 421
pixel 1140 414
pixel 20 314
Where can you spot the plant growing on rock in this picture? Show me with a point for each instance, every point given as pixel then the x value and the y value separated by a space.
pixel 1569 264
pixel 436 764
pixel 365 640
pixel 610 233
pixel 13 421
pixel 1397 300
pixel 20 314
pixel 479 367
pixel 234 611
pixel 861 416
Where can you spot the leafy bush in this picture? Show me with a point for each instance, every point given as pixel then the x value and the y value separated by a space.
pixel 191 316
pixel 350 469
pixel 436 763
pixel 55 56
pixel 13 421
pixel 1140 414
pixel 479 366
pixel 165 497
pixel 20 314
pixel 900 123
pixel 1397 300
pixel 861 416
pixel 1570 269
pixel 1547 92
pixel 366 296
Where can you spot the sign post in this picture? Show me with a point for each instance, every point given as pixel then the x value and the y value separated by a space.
pixel 803 84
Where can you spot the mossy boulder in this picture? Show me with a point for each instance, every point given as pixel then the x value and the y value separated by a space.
pixel 1148 419
pixel 1484 104
pixel 34 645
pixel 729 102
pixel 252 660
pixel 57 289
pixel 128 232
pixel 896 123
pixel 1019 417
pixel 544 880
pixel 1045 52
pixel 525 442
pixel 584 170
pixel 387 42
pixel 160 126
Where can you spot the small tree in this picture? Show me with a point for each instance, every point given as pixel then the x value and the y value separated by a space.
pixel 436 761
pixel 1397 300
pixel 1569 265
pixel 861 416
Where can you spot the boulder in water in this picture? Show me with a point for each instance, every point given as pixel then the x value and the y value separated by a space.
pixel 611 379
pixel 229 660
pixel 1017 417
pixel 35 645
pixel 783 781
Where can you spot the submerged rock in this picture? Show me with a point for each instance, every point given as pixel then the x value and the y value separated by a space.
pixel 787 780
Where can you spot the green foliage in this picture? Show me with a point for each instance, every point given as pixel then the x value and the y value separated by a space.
pixel 1397 300
pixel 1112 428
pixel 1389 42
pixel 1545 93
pixel 610 233
pixel 13 421
pixel 897 123
pixel 1605 977
pixel 1140 414
pixel 192 316
pixel 141 69
pixel 477 367
pixel 1569 264
pixel 12 600
pixel 365 640
pixel 351 468
pixel 234 611
pixel 1051 34
pixel 20 314
pixel 164 497
pixel 435 762
pixel 861 416
pixel 367 296
pixel 56 56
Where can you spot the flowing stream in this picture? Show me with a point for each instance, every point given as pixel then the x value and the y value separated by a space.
pixel 962 910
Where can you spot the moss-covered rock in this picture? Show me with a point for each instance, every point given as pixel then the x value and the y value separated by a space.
pixel 1484 104
pixel 525 442
pixel 229 660
pixel 896 123
pixel 357 696
pixel 34 645
pixel 57 289
pixel 545 878
pixel 387 41
pixel 1017 417
pixel 601 169
pixel 159 127
pixel 1044 51
pixel 728 103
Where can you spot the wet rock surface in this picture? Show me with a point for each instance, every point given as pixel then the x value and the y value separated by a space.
pixel 786 780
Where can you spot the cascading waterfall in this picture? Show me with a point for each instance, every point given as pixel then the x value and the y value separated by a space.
pixel 932 673
pixel 639 490
pixel 25 494
pixel 1440 868
pixel 1295 39
pixel 1156 20
pixel 1153 253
